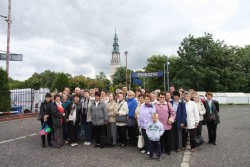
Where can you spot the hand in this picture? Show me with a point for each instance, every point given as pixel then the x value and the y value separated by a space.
pixel 196 124
pixel 105 122
pixel 63 114
pixel 169 122
pixel 182 125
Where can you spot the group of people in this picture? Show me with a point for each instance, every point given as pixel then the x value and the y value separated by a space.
pixel 163 119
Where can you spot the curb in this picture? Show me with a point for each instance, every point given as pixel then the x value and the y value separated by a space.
pixel 186 156
pixel 18 116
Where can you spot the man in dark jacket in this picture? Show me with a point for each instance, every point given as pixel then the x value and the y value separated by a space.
pixel 45 110
pixel 211 117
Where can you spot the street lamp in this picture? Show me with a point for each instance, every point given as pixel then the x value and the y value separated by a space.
pixel 166 71
pixel 126 55
pixel 8 19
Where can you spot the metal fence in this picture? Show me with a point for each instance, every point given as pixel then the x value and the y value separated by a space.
pixel 27 100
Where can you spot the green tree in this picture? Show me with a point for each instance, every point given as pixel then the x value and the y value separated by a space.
pixel 119 77
pixel 5 99
pixel 60 82
pixel 101 77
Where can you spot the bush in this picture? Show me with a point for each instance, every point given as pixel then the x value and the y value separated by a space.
pixel 5 99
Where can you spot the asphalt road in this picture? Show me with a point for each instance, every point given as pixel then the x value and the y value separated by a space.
pixel 19 146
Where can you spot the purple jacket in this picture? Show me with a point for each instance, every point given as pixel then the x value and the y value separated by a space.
pixel 145 115
pixel 163 113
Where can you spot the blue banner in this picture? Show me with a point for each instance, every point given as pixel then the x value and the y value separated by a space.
pixel 137 81
pixel 147 74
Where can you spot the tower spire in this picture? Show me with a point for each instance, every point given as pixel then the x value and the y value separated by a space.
pixel 115 44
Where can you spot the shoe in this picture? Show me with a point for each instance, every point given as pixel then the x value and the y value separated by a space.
pixel 158 158
pixel 168 153
pixel 123 145
pixel 66 142
pixel 85 143
pixel 50 145
pixel 150 158
pixel 88 143
pixel 192 150
pixel 101 147
pixel 43 146
pixel 74 144
pixel 143 151
pixel 148 153
pixel 178 150
pixel 214 143
pixel 97 145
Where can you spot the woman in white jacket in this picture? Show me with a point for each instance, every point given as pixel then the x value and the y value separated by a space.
pixel 122 126
pixel 192 120
pixel 201 110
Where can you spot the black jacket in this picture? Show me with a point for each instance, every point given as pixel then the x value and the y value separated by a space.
pixel 78 112
pixel 45 109
pixel 215 110
pixel 56 115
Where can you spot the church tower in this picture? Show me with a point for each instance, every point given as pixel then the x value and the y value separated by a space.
pixel 116 60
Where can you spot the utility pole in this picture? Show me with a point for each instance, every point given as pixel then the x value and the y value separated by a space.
pixel 8 38
pixel 126 55
pixel 167 73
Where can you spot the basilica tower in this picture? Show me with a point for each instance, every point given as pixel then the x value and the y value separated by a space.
pixel 115 60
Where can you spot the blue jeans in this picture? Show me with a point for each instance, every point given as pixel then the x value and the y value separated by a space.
pixel 87 126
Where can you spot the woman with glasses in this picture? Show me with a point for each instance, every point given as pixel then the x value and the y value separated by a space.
pixel 166 115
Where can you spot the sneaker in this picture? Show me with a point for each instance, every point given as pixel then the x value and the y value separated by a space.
pixel 143 151
pixel 158 158
pixel 74 144
pixel 148 153
pixel 66 142
pixel 85 143
pixel 88 143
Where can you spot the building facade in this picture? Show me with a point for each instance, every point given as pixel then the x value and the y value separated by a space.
pixel 116 59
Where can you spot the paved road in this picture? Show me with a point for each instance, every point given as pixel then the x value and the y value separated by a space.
pixel 233 147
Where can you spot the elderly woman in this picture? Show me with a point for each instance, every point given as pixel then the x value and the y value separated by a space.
pixel 99 115
pixel 121 126
pixel 57 113
pixel 201 110
pixel 112 112
pixel 192 120
pixel 166 115
pixel 180 121
pixel 145 117
pixel 132 105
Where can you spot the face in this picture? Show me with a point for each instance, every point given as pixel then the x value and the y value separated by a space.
pixel 120 96
pixel 97 98
pixel 47 99
pixel 137 93
pixel 103 94
pixel 162 98
pixel 155 119
pixel 168 96
pixel 77 91
pixel 57 99
pixel 153 97
pixel 64 97
pixel 209 97
pixel 76 99
pixel 141 99
pixel 67 90
pixel 187 97
pixel 86 94
pixel 147 100
pixel 196 99
pixel 92 94
pixel 143 91
pixel 171 89
pixel 111 97
pixel 176 98
pixel 130 96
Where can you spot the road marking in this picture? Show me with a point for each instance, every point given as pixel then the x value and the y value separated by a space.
pixel 186 156
pixel 18 138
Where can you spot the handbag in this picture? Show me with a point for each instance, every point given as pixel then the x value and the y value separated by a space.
pixel 210 117
pixel 121 118
pixel 198 140
pixel 45 129
pixel 131 122
pixel 140 143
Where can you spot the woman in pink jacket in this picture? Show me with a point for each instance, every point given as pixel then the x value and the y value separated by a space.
pixel 166 115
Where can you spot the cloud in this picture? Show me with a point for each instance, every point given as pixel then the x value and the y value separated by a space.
pixel 77 36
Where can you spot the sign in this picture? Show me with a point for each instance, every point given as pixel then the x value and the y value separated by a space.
pixel 13 57
pixel 147 74
pixel 137 81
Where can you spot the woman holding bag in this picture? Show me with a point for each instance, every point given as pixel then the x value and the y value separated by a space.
pixel 121 125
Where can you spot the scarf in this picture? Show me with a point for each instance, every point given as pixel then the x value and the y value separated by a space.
pixel 60 109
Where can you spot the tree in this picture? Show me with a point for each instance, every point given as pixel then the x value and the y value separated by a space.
pixel 101 77
pixel 5 99
pixel 119 77
pixel 60 82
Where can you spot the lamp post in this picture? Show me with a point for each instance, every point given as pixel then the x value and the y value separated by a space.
pixel 126 56
pixel 167 63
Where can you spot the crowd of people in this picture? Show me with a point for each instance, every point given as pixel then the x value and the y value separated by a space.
pixel 117 119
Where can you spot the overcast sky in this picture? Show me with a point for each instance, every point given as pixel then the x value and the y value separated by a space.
pixel 76 36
